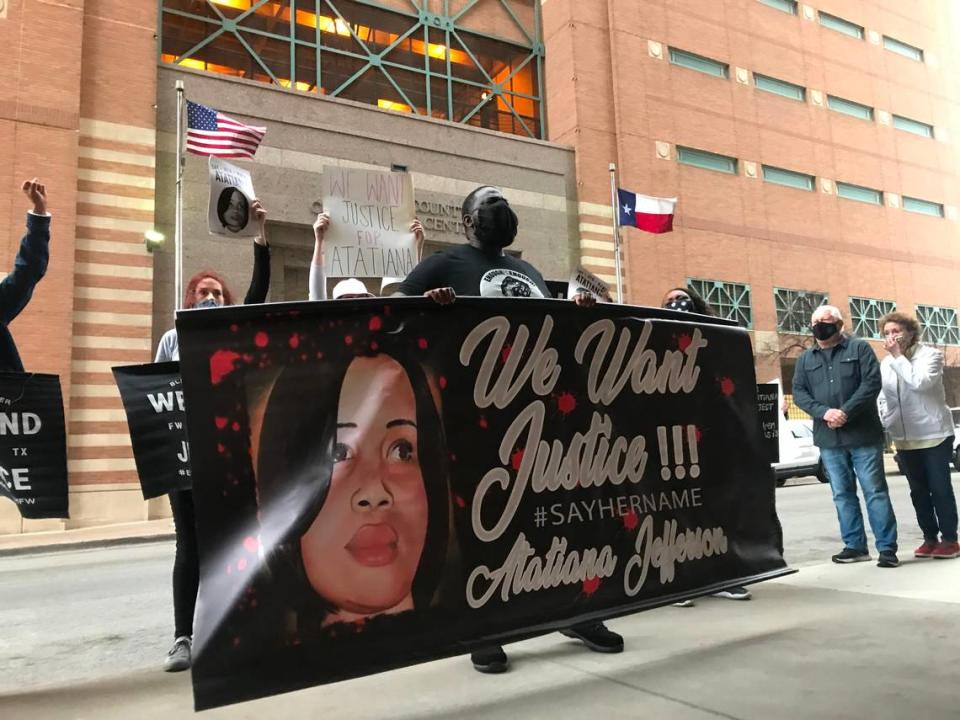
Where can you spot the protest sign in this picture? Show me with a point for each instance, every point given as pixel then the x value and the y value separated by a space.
pixel 152 397
pixel 370 215
pixel 231 192
pixel 33 444
pixel 768 410
pixel 388 481
pixel 585 281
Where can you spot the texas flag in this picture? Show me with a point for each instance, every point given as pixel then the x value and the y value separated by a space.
pixel 652 214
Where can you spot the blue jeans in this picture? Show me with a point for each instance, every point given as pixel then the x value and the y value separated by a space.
pixel 844 467
pixel 928 472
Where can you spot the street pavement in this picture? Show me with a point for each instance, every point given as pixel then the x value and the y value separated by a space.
pixel 83 634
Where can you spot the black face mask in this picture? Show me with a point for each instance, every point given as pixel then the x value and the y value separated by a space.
pixel 682 304
pixel 496 224
pixel 825 331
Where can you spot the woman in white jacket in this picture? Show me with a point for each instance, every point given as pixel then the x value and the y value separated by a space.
pixel 915 413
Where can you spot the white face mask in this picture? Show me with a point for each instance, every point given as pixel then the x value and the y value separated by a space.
pixel 208 302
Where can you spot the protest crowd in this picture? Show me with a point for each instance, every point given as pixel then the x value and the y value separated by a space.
pixel 852 396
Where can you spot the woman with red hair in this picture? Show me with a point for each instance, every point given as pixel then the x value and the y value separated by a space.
pixel 206 289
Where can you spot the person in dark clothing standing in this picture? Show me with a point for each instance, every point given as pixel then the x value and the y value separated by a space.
pixel 480 267
pixel 29 267
pixel 837 382
pixel 206 289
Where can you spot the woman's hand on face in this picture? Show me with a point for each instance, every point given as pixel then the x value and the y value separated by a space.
pixel 320 226
pixel 891 345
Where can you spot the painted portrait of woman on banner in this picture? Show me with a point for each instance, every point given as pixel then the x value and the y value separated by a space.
pixel 353 486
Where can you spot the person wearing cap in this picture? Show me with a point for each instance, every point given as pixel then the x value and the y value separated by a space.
pixel 350 287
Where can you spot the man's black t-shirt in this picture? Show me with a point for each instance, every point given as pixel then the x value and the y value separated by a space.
pixel 471 271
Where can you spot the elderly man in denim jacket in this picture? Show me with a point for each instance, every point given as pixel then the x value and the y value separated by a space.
pixel 837 382
pixel 29 267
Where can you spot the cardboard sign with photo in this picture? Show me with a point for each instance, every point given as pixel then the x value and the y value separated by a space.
pixel 231 193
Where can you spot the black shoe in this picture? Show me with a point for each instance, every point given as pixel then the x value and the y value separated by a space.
pixel 596 637
pixel 888 559
pixel 492 660
pixel 849 555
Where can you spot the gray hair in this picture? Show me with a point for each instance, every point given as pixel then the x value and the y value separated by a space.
pixel 830 310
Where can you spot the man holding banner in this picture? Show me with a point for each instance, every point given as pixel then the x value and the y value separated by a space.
pixel 482 268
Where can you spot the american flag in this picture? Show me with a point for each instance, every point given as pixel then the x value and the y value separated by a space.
pixel 212 133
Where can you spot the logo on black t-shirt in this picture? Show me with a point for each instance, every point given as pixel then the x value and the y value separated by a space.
pixel 508 283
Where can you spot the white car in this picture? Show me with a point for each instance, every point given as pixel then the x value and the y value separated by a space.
pixel 799 457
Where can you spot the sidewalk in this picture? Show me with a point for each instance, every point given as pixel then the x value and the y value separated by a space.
pixel 831 642
pixel 89 537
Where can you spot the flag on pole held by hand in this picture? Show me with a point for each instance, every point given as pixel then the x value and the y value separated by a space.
pixel 651 214
pixel 212 133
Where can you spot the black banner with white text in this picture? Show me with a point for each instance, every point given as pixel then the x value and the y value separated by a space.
pixel 33 444
pixel 386 482
pixel 152 397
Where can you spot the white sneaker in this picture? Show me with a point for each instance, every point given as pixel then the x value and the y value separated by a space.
pixel 178 659
pixel 684 603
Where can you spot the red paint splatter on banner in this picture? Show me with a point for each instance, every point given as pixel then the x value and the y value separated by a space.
pixel 696 429
pixel 422 343
pixel 483 422
pixel 631 520
pixel 375 323
pixel 261 339
pixel 303 356
pixel 374 346
pixel 505 353
pixel 461 503
pixel 221 422
pixel 234 327
pixel 453 457
pixel 220 448
pixel 516 458
pixel 442 382
pixel 251 544
pixel 566 403
pixel 221 365
pixel 294 341
pixel 727 386
pixel 319 356
pixel 236 426
pixel 242 564
pixel 236 642
pixel 683 342
pixel 591 585
pixel 348 339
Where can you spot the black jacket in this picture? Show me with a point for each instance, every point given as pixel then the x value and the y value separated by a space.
pixel 846 377
pixel 16 289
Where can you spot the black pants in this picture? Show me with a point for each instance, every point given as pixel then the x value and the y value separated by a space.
pixel 186 566
pixel 928 473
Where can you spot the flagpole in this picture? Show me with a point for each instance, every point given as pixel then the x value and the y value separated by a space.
pixel 178 207
pixel 615 206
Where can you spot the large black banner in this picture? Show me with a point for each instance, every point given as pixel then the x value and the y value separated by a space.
pixel 380 483
pixel 152 397
pixel 33 444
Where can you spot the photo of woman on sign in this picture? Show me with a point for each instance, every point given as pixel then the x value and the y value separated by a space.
pixel 356 446
pixel 233 210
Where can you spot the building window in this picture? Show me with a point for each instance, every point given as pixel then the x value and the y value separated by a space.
pixel 901 48
pixel 699 63
pixel 780 87
pixel 787 6
pixel 788 178
pixel 924 207
pixel 866 313
pixel 939 324
pixel 730 300
pixel 912 126
pixel 848 107
pixel 706 160
pixel 794 309
pixel 841 26
pixel 475 65
pixel 860 193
